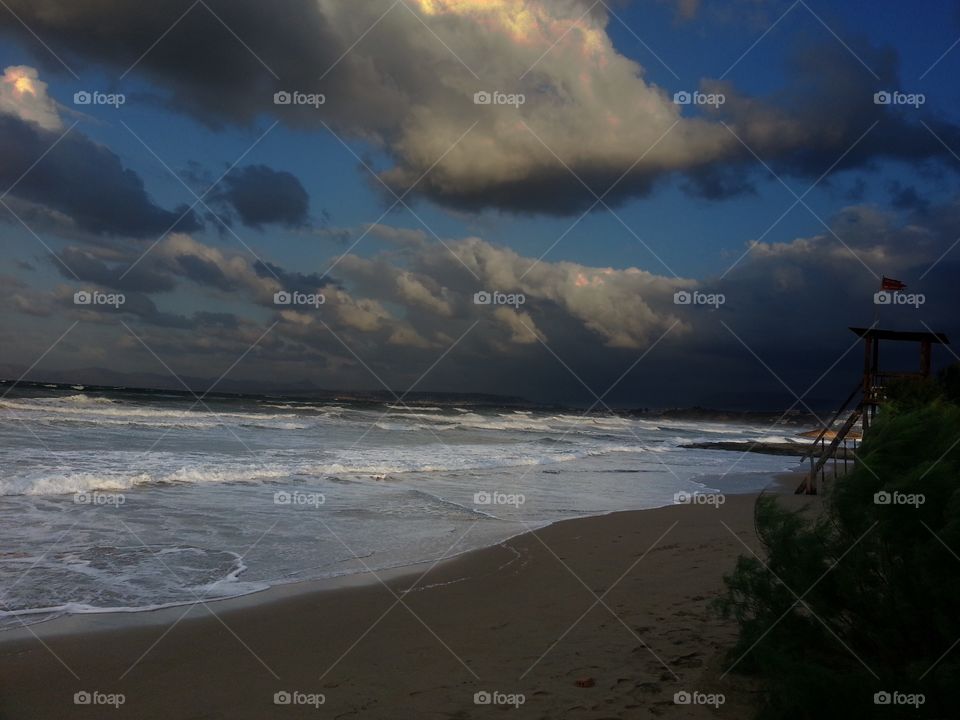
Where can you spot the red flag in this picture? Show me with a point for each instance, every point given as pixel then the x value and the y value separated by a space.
pixel 889 284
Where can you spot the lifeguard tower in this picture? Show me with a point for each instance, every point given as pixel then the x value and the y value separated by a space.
pixel 871 391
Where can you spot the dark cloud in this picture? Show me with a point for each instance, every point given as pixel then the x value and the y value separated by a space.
pixel 784 321
pixel 206 70
pixel 257 195
pixel 827 117
pixel 415 100
pixel 857 190
pixel 906 197
pixel 227 321
pixel 204 271
pixel 144 309
pixel 78 264
pixel 291 280
pixel 141 308
pixel 261 195
pixel 788 305
pixel 81 180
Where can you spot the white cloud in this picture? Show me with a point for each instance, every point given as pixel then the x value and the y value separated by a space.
pixel 523 330
pixel 24 95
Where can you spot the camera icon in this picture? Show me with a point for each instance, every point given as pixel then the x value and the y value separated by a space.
pixel 282 698
pixel 282 298
pixel 682 98
pixel 82 698
pixel 882 298
pixel 882 98
pixel 682 698
pixel 682 297
pixel 882 498
pixel 482 98
pixel 82 97
pixel 482 298
pixel 82 297
pixel 282 498
pixel 482 498
pixel 282 98
pixel 882 698
pixel 682 498
pixel 482 698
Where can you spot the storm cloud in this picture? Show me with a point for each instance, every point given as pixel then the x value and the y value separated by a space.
pixel 261 196
pixel 62 170
pixel 591 122
pixel 392 314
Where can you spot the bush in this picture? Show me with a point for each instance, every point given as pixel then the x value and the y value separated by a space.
pixel 878 584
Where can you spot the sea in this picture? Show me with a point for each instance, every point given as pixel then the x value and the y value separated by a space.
pixel 117 500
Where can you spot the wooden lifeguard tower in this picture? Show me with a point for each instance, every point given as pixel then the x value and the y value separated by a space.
pixel 871 391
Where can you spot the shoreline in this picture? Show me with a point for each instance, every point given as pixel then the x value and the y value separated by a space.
pixel 502 618
pixel 107 619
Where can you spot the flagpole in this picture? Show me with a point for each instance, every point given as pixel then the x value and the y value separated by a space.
pixel 876 306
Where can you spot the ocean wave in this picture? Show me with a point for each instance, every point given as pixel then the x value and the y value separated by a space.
pixel 115 477
pixel 782 439
pixel 502 423
pixel 79 399
pixel 80 408
pixel 415 408
pixel 66 483
pixel 145 581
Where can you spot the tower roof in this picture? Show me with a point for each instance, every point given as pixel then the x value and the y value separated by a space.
pixel 905 336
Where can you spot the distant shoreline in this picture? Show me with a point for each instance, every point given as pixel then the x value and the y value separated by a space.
pixel 419 398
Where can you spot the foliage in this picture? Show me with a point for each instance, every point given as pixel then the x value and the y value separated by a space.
pixel 863 597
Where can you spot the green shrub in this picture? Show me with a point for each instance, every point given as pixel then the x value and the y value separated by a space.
pixel 878 584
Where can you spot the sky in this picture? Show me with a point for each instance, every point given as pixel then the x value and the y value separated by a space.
pixel 661 203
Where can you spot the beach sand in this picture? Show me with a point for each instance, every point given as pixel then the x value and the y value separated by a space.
pixel 521 617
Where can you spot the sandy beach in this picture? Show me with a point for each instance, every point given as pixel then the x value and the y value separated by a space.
pixel 602 617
